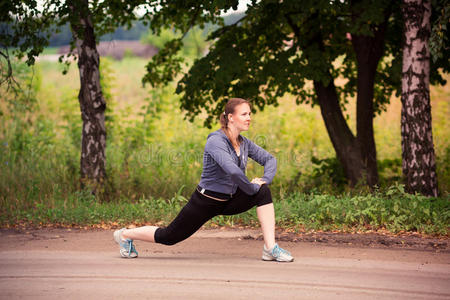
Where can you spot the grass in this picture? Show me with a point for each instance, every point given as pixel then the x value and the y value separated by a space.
pixel 392 210
pixel 152 152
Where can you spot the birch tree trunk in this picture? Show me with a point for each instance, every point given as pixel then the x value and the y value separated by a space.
pixel 419 166
pixel 92 102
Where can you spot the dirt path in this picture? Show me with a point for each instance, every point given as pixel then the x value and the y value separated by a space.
pixel 219 264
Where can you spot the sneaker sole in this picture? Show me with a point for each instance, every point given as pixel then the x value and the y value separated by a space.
pixel 266 257
pixel 281 261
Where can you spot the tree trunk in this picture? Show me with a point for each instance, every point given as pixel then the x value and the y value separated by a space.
pixel 368 50
pixel 92 102
pixel 366 65
pixel 356 155
pixel 419 166
pixel 345 144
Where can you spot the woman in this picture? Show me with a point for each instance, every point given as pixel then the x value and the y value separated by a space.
pixel 223 189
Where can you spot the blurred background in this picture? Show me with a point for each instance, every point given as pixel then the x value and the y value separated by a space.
pixel 153 151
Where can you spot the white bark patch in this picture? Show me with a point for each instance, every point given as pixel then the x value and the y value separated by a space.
pixel 101 121
pixel 100 118
pixel 89 144
pixel 87 127
pixel 93 95
pixel 89 52
pixel 96 104
pixel 96 171
pixel 414 83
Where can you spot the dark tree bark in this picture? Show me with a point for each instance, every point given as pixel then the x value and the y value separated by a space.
pixel 92 102
pixel 368 50
pixel 345 144
pixel 419 166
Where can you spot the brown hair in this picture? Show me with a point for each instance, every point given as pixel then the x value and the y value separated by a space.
pixel 229 109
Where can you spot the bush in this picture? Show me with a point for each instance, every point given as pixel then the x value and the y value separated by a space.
pixel 393 209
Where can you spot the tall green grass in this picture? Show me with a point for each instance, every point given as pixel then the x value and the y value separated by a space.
pixel 152 151
pixel 392 210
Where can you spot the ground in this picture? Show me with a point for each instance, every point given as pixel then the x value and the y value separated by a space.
pixel 75 263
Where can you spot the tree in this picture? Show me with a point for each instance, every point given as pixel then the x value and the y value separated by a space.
pixel 418 158
pixel 92 102
pixel 30 28
pixel 280 47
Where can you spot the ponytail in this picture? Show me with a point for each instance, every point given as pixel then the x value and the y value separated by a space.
pixel 223 120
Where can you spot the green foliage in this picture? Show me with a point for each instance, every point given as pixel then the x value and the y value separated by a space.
pixel 166 64
pixel 27 26
pixel 195 43
pixel 22 30
pixel 393 210
pixel 441 129
pixel 106 82
pixel 174 49
pixel 277 48
pixel 152 152
pixel 160 40
pixel 390 170
pixel 440 34
pixel 19 94
pixel 328 168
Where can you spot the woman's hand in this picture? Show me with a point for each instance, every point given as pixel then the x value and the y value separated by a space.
pixel 258 181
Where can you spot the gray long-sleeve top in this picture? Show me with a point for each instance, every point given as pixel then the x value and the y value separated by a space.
pixel 224 171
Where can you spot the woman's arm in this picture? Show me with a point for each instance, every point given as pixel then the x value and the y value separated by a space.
pixel 263 158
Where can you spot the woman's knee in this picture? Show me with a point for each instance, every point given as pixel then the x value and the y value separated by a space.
pixel 264 191
pixel 166 237
pixel 264 196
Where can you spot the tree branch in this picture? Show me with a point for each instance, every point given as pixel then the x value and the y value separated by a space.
pixel 192 22
pixel 224 29
pixel 9 73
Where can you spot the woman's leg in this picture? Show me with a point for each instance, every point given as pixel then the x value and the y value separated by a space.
pixel 265 213
pixel 145 233
pixel 266 217
pixel 191 217
pixel 264 209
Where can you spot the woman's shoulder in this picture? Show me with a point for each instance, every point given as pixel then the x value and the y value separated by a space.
pixel 216 138
pixel 216 135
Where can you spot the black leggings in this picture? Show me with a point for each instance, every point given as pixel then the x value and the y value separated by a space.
pixel 201 209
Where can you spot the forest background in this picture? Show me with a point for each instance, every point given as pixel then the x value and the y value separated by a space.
pixel 154 155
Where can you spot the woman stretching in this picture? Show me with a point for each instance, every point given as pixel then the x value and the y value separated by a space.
pixel 223 189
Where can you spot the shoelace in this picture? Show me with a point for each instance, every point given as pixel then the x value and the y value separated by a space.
pixel 277 251
pixel 131 248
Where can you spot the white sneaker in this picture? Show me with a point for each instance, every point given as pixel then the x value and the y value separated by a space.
pixel 277 253
pixel 126 247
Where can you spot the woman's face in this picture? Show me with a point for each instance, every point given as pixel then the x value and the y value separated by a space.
pixel 241 117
